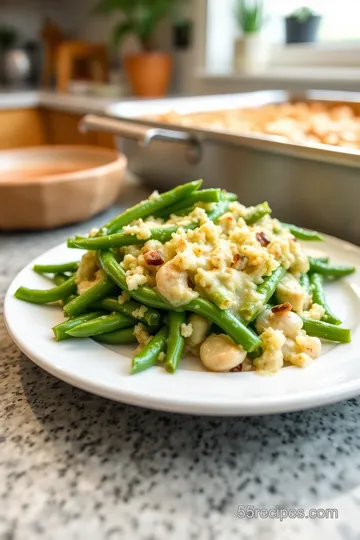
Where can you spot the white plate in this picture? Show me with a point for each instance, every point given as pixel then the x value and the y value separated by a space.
pixel 105 370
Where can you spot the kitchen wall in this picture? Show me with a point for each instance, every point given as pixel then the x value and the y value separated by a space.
pixel 75 18
pixel 98 29
pixel 72 15
pixel 28 15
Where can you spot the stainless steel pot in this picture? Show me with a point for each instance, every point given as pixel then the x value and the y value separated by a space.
pixel 316 187
pixel 17 66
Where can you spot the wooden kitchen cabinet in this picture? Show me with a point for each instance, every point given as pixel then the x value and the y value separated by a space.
pixel 62 128
pixel 21 127
pixel 39 126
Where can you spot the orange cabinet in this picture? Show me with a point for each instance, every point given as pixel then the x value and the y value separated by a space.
pixel 34 127
pixel 62 128
pixel 21 127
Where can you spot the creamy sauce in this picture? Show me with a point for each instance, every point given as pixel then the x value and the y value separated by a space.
pixel 42 172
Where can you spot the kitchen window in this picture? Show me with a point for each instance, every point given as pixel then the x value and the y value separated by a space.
pixel 338 42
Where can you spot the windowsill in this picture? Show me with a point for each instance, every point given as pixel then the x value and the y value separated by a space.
pixel 304 74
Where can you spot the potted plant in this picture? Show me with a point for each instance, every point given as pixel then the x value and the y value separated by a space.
pixel 302 26
pixel 149 71
pixel 250 49
pixel 8 38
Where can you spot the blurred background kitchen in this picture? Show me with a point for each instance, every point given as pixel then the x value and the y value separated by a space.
pixel 61 60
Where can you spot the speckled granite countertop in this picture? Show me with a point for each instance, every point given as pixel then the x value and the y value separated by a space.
pixel 76 466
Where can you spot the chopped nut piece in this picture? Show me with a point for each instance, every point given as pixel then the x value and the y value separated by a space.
pixel 154 258
pixel 281 308
pixel 263 239
pixel 239 262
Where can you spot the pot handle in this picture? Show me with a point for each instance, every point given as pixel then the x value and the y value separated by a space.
pixel 142 133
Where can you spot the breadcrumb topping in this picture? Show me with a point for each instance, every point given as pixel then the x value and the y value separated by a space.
pixel 186 330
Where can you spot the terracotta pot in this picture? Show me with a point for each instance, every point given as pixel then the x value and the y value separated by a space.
pixel 149 73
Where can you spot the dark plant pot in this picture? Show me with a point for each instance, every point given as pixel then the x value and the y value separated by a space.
pixel 181 35
pixel 2 66
pixel 302 32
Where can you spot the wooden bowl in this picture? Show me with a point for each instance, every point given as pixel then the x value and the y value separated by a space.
pixel 49 186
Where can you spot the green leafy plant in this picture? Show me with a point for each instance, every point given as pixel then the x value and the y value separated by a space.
pixel 303 14
pixel 139 17
pixel 8 37
pixel 250 15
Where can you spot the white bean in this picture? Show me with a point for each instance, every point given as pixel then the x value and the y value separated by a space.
pixel 286 321
pixel 173 285
pixel 290 290
pixel 220 353
pixel 200 326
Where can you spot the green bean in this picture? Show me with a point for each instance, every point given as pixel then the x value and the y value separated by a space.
pixel 101 325
pixel 318 296
pixel 175 343
pixel 204 195
pixel 58 279
pixel 231 324
pixel 221 298
pixel 270 283
pixel 144 294
pixel 69 299
pixel 226 199
pixel 221 208
pixel 117 337
pixel 255 213
pixel 255 354
pixel 303 234
pixel 218 297
pixel 327 331
pixel 148 356
pixel 36 296
pixel 305 283
pixel 61 329
pixel 267 289
pixel 330 270
pixel 103 288
pixel 124 239
pixel 230 196
pixel 321 259
pixel 184 212
pixel 215 329
pixel 151 317
pixel 228 321
pixel 56 268
pixel 151 206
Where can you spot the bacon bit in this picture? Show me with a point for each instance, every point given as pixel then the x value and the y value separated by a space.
pixel 154 258
pixel 239 262
pixel 236 369
pixel 282 308
pixel 262 239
